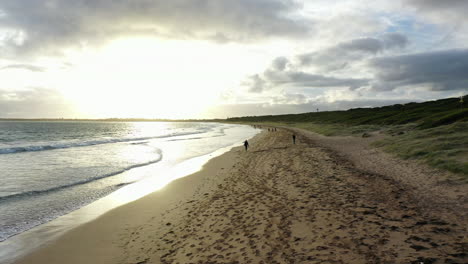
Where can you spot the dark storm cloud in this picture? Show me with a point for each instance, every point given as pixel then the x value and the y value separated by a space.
pixel 339 56
pixel 272 78
pixel 303 79
pixel 442 70
pixel 24 67
pixel 49 26
pixel 282 71
pixel 35 102
pixel 437 71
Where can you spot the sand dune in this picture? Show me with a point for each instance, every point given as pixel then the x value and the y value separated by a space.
pixel 276 203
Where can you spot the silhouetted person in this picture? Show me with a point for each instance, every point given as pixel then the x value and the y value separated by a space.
pixel 246 145
pixel 294 139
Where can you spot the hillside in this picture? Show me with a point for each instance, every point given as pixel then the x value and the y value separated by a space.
pixel 426 114
pixel 435 132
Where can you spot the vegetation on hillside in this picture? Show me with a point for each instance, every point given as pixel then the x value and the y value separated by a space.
pixel 435 132
pixel 427 114
pixel 444 147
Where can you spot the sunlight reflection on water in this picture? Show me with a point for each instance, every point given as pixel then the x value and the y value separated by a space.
pixel 26 242
pixel 151 184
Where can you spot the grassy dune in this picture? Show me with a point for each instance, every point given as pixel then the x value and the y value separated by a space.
pixel 435 132
pixel 444 147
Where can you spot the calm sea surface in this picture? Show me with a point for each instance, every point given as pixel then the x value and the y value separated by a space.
pixel 48 169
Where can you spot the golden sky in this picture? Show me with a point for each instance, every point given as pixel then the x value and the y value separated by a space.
pixel 219 58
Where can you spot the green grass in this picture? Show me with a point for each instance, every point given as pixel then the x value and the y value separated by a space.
pixel 427 114
pixel 444 147
pixel 435 132
pixel 336 129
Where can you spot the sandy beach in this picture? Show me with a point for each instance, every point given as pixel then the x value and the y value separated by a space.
pixel 321 200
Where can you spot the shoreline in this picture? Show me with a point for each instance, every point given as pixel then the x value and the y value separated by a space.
pixel 34 239
pixel 277 202
pixel 100 231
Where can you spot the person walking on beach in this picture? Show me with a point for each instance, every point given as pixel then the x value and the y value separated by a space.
pixel 246 145
pixel 294 139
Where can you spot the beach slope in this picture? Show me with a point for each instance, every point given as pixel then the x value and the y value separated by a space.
pixel 278 202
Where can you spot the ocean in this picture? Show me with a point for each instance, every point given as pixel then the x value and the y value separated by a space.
pixel 49 169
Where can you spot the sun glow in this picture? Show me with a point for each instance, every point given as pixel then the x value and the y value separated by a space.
pixel 152 78
pixel 138 77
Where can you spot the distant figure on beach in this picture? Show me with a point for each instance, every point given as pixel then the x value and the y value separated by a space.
pixel 294 139
pixel 246 145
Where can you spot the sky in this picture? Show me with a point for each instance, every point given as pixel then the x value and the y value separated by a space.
pixel 223 58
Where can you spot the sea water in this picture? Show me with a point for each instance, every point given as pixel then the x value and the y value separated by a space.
pixel 48 169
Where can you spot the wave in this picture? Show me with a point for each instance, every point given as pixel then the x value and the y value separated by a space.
pixel 33 148
pixel 58 188
pixel 182 139
pixel 219 133
pixel 140 143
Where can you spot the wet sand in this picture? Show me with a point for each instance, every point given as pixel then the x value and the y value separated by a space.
pixel 280 203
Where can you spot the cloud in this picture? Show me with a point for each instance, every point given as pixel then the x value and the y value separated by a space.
pixel 448 10
pixel 24 67
pixel 439 71
pixel 279 64
pixel 432 24
pixel 283 71
pixel 290 98
pixel 435 71
pixel 303 79
pixel 394 40
pixel 255 83
pixel 35 102
pixel 338 21
pixel 272 79
pixel 340 55
pixel 31 26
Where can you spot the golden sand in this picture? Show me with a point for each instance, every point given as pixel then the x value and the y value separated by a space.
pixel 275 203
